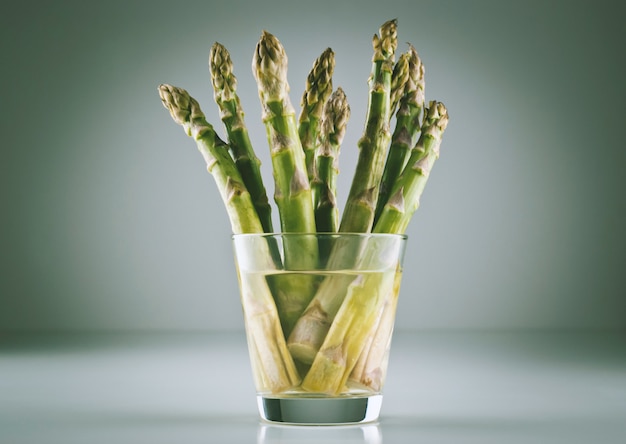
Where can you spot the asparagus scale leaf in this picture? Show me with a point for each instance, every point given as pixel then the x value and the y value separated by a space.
pixel 371 367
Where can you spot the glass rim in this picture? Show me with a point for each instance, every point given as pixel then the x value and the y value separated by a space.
pixel 320 234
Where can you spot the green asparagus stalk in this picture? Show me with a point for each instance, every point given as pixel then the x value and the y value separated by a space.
pixel 358 214
pixel 293 191
pixel 261 316
pixel 292 188
pixel 186 111
pixel 407 126
pixel 324 185
pixel 408 188
pixel 317 90
pixel 225 95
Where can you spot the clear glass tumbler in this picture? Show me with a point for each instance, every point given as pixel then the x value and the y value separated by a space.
pixel 319 311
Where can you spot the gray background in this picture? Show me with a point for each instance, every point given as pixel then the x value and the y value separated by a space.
pixel 110 221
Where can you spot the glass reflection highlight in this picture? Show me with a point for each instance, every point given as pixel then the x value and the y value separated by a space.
pixel 285 434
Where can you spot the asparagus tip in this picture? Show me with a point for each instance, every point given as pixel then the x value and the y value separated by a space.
pixel 221 69
pixel 385 45
pixel 269 66
pixel 177 101
pixel 318 86
pixel 335 117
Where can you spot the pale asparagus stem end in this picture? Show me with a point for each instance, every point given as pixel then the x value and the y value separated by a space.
pixel 348 335
pixel 372 364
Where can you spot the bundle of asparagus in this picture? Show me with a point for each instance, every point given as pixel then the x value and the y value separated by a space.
pixel 299 323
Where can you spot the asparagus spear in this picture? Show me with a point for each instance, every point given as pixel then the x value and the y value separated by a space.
pixel 293 191
pixel 292 187
pixel 407 126
pixel 408 188
pixel 324 186
pixel 317 90
pixel 278 369
pixel 358 214
pixel 225 95
pixel 186 111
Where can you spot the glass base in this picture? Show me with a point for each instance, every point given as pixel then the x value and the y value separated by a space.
pixel 320 411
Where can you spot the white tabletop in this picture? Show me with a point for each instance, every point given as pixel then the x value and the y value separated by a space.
pixel 197 388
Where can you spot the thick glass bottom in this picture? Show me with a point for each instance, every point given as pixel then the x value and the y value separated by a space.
pixel 320 411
